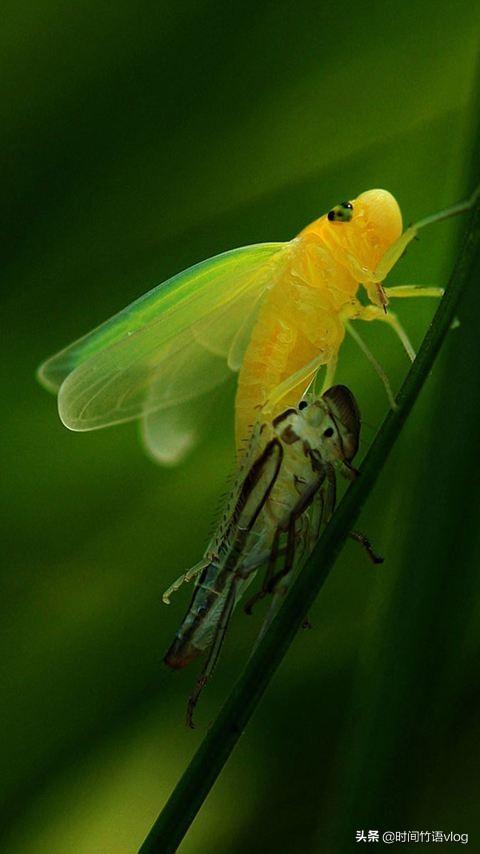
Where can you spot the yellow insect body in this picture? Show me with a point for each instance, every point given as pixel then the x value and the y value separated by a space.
pixel 303 315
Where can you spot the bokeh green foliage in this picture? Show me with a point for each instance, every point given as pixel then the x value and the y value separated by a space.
pixel 140 138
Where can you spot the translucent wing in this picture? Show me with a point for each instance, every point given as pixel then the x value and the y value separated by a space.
pixel 170 434
pixel 169 346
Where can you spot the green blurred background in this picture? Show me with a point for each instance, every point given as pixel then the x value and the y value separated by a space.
pixel 139 138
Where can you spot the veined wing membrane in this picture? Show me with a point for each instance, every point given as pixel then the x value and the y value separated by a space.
pixel 108 376
pixel 172 429
pixel 219 329
pixel 171 432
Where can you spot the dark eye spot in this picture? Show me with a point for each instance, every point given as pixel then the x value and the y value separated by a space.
pixel 328 432
pixel 303 404
pixel 289 436
pixel 331 215
pixel 347 205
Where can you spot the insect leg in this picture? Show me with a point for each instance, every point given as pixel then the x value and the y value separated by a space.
pixel 307 539
pixel 279 583
pixel 330 493
pixel 315 521
pixel 373 312
pixel 268 575
pixel 375 365
pixel 304 374
pixel 289 556
pixel 305 532
pixel 271 578
pixel 397 327
pixel 366 544
pixel 301 506
pixel 186 576
pixel 400 291
pixel 213 653
pixel 313 533
pixel 329 375
pixel 391 256
pixel 318 510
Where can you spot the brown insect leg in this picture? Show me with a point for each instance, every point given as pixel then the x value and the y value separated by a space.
pixel 268 575
pixel 213 654
pixel 366 544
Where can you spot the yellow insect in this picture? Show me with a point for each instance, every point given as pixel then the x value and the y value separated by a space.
pixel 274 312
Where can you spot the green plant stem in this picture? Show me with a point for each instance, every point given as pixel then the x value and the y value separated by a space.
pixel 193 787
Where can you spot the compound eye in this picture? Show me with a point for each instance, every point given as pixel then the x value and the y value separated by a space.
pixel 341 213
pixel 303 404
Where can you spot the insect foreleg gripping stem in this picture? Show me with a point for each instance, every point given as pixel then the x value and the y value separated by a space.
pixel 408 291
pixel 366 544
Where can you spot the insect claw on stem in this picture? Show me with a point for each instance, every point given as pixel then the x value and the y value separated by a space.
pixel 348 470
pixel 189 715
pixel 382 297
pixel 248 607
pixel 367 546
pixel 193 699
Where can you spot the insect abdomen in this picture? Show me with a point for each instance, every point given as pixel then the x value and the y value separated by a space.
pixel 180 653
pixel 297 323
